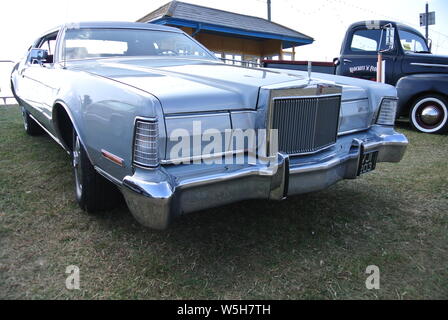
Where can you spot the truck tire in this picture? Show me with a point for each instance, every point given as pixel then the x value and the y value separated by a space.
pixel 429 114
pixel 31 127
pixel 93 192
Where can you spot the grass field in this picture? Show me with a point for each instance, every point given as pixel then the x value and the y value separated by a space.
pixel 315 246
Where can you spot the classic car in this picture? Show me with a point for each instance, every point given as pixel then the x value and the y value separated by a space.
pixel 147 111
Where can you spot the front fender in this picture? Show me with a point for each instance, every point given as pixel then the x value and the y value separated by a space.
pixel 103 112
pixel 413 86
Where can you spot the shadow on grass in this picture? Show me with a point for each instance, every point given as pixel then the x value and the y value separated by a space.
pixel 254 235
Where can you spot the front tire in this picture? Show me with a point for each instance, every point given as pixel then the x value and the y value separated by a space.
pixel 93 192
pixel 429 114
pixel 31 127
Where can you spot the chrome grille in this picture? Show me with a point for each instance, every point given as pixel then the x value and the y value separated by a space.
pixel 306 125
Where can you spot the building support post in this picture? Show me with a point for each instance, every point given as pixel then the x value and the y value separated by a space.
pixel 269 10
pixel 427 22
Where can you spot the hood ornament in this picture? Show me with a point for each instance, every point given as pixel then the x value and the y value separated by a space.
pixel 310 69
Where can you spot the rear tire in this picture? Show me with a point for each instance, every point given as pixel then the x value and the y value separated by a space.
pixel 31 127
pixel 93 192
pixel 429 114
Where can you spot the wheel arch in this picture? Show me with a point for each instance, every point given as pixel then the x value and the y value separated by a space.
pixel 422 94
pixel 64 123
pixel 411 88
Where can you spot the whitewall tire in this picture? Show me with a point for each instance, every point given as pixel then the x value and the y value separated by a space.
pixel 429 114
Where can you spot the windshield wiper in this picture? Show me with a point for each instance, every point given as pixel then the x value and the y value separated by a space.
pixel 424 51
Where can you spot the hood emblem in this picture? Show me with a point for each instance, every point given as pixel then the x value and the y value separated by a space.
pixel 321 88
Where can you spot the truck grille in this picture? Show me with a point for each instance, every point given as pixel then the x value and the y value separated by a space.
pixel 306 125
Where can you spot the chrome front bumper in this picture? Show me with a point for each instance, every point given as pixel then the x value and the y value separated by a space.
pixel 155 197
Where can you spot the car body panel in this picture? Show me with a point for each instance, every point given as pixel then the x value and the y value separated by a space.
pixel 176 82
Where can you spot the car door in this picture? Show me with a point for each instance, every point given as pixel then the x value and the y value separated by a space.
pixel 361 55
pixel 40 84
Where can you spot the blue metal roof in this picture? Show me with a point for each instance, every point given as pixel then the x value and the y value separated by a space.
pixel 201 18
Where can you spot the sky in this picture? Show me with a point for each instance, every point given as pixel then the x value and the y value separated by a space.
pixel 326 21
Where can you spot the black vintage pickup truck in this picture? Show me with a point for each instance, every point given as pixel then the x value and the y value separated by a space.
pixel 421 78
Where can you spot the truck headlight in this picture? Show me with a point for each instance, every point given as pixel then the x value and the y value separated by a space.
pixel 146 153
pixel 388 112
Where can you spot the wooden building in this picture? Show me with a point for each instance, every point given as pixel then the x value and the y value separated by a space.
pixel 228 34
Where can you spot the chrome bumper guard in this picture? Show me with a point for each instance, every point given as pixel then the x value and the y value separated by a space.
pixel 155 197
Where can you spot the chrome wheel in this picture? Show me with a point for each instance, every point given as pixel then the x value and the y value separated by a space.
pixel 77 166
pixel 429 115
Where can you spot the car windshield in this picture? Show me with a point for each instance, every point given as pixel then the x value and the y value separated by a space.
pixel 102 43
pixel 412 42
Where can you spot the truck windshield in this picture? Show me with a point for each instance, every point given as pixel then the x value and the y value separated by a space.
pixel 412 42
pixel 102 43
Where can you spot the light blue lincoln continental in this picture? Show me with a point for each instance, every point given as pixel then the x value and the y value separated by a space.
pixel 147 111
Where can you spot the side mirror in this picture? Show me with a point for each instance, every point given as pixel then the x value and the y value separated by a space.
pixel 37 56
pixel 390 38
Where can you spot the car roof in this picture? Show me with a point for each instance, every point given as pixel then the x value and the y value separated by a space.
pixel 384 22
pixel 115 25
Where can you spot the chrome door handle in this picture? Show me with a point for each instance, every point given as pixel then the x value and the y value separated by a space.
pixel 347 61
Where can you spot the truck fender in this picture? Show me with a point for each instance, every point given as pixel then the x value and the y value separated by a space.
pixel 413 86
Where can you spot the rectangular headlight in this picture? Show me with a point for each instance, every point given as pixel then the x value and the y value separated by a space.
pixel 146 137
pixel 388 112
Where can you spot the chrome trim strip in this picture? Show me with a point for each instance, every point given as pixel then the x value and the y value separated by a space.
pixel 429 65
pixel 108 176
pixel 344 133
pixel 354 100
pixel 201 115
pixel 243 111
pixel 312 152
pixel 307 97
pixel 203 157
pixel 146 119
pixel 50 134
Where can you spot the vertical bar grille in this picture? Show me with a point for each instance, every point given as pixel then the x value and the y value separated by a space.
pixel 306 125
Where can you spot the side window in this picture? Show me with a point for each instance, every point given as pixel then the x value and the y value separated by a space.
pixel 48 43
pixel 366 40
pixel 412 42
pixel 44 45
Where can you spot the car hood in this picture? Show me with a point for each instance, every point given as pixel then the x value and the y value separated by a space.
pixel 185 85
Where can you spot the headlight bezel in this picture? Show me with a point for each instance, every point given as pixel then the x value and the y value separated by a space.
pixel 387 117
pixel 146 143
